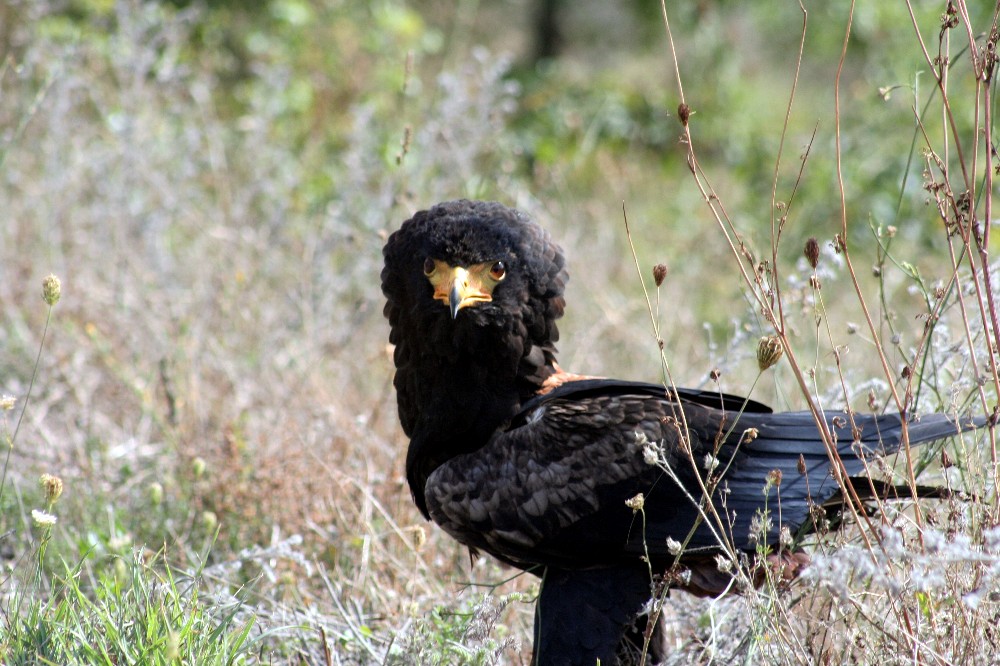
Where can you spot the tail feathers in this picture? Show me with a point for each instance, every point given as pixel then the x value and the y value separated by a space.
pixel 874 489
pixel 880 434
pixel 869 490
pixel 791 443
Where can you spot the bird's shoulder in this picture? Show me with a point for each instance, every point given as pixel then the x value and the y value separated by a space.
pixel 597 411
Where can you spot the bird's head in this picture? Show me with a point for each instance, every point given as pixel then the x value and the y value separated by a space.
pixel 459 287
pixel 477 259
pixel 472 282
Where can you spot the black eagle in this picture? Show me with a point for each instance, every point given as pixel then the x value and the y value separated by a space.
pixel 511 455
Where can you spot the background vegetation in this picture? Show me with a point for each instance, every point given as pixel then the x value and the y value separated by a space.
pixel 213 183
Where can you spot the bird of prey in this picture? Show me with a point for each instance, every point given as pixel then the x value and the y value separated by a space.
pixel 598 486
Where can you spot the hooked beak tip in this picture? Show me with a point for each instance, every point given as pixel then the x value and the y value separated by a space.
pixel 455 298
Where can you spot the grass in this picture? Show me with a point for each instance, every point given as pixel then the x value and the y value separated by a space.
pixel 135 612
pixel 213 187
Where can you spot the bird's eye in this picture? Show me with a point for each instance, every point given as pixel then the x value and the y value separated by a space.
pixel 428 266
pixel 498 270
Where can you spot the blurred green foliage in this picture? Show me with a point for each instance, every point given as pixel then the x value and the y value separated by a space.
pixel 377 104
pixel 610 99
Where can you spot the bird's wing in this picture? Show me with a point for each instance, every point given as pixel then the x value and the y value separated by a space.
pixel 578 389
pixel 552 489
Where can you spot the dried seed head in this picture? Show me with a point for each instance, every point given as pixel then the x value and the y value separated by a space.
pixel 774 477
pixel 723 563
pixel 812 252
pixel 419 537
pixel 760 526
pixel 673 546
pixel 750 434
pixel 7 402
pixel 51 290
pixel 946 459
pixel 636 503
pixel 715 374
pixel 659 273
pixel 52 486
pixel 768 351
pixel 802 464
pixel 198 467
pixel 684 113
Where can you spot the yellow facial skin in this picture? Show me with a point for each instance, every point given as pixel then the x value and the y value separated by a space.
pixel 460 286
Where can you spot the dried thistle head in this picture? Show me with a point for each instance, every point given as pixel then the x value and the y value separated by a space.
pixel 659 273
pixel 684 113
pixel 52 486
pixel 812 252
pixel 774 477
pixel 769 351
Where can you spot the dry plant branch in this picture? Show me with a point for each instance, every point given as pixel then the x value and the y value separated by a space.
pixel 963 207
pixel 959 211
pixel 763 295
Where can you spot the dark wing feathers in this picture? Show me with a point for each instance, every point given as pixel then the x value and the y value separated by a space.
pixel 539 480
pixel 580 389
pixel 555 484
